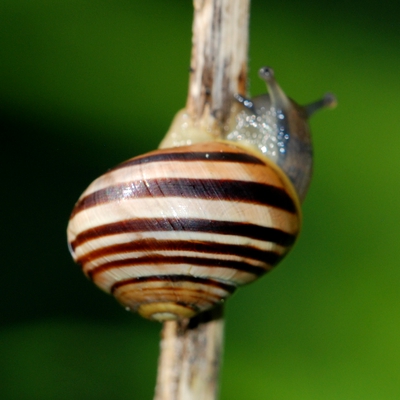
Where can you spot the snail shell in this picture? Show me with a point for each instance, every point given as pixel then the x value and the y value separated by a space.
pixel 175 231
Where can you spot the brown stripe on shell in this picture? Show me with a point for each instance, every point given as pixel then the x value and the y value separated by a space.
pixel 165 260
pixel 182 155
pixel 187 224
pixel 209 189
pixel 269 257
pixel 168 293
pixel 175 278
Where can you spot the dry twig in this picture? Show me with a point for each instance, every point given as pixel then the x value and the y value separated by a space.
pixel 191 349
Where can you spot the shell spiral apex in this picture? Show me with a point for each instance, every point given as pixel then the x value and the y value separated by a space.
pixel 174 232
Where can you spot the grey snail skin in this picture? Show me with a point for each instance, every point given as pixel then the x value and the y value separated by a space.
pixel 174 232
pixel 278 128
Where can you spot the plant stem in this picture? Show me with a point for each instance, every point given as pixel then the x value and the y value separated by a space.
pixel 190 357
pixel 191 350
pixel 219 60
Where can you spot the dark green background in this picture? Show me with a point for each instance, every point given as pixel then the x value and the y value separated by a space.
pixel 87 84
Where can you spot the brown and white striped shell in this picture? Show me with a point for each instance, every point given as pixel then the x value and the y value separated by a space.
pixel 174 232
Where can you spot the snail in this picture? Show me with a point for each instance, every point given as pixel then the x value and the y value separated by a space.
pixel 174 232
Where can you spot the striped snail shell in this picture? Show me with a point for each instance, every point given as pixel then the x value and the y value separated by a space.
pixel 174 232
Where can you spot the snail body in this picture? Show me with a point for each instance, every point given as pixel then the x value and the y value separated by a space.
pixel 278 127
pixel 174 232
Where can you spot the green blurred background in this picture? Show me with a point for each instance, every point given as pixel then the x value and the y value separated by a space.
pixel 87 84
